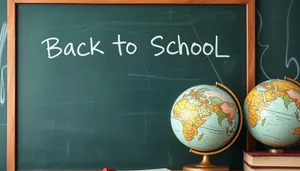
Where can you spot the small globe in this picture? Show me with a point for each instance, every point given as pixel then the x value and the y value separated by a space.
pixel 272 111
pixel 204 118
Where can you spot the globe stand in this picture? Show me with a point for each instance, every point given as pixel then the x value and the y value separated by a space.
pixel 205 165
pixel 276 151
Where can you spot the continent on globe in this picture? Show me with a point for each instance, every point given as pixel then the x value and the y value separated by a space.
pixel 204 118
pixel 288 91
pixel 297 131
pixel 190 118
pixel 275 104
pixel 256 104
pixel 263 122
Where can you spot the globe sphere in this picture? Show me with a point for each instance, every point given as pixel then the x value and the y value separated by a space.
pixel 204 118
pixel 271 111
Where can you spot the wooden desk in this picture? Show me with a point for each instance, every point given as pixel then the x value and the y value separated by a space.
pixel 98 170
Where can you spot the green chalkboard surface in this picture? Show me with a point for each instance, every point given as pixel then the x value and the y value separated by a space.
pixel 3 81
pixel 96 83
pixel 278 52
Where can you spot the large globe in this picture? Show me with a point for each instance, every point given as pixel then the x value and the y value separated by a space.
pixel 204 118
pixel 272 111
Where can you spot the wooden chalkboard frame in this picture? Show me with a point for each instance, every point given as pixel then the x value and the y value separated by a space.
pixel 11 54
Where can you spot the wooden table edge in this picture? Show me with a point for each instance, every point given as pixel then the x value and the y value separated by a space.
pixel 101 170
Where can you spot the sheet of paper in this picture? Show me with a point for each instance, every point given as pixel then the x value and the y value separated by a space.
pixel 157 169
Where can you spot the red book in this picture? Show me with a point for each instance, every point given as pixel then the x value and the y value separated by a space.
pixel 248 167
pixel 263 159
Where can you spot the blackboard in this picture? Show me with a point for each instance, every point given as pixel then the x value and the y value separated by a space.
pixel 3 81
pixel 277 33
pixel 104 106
pixel 278 54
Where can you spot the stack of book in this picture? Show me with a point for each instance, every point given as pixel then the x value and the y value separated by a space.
pixel 266 161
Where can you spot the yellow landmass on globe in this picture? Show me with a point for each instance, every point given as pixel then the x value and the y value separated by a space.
pixel 203 109
pixel 297 131
pixel 181 104
pixel 256 104
pixel 190 118
pixel 287 91
pixel 195 94
pixel 269 95
pixel 222 108
pixel 190 127
pixel 282 86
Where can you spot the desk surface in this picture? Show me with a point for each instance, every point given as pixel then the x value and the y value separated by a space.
pixel 101 170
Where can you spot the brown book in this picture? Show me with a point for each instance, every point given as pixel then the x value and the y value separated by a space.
pixel 267 159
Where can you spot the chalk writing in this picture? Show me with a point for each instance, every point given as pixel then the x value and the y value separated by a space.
pixel 3 35
pixel 129 44
pixel 194 49
pixel 181 47
pixel 163 78
pixel 261 45
pixel 291 59
pixel 69 48
pixel 288 60
pixel 2 90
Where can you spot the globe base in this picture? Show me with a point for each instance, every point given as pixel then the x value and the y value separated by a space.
pixel 276 151
pixel 195 167
pixel 205 165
